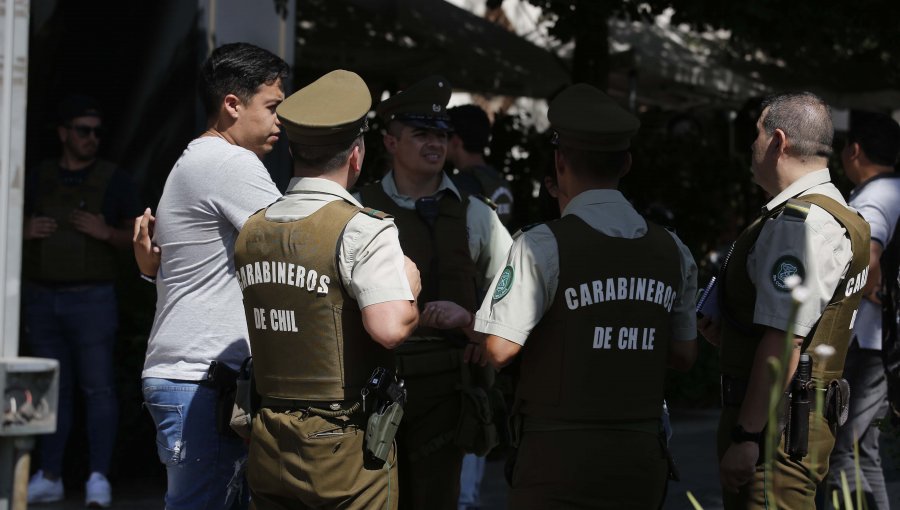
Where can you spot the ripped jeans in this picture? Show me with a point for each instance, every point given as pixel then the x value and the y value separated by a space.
pixel 205 469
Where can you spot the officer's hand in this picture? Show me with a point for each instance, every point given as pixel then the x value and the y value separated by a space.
pixel 445 315
pixel 91 224
pixel 412 274
pixel 146 253
pixel 39 227
pixel 710 329
pixel 738 465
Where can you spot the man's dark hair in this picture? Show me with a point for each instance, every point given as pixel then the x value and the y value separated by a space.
pixel 806 120
pixel 878 135
pixel 322 159
pixel 239 69
pixel 599 164
pixel 472 126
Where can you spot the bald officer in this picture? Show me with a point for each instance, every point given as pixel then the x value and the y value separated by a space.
pixel 459 244
pixel 327 294
pixel 807 231
pixel 598 303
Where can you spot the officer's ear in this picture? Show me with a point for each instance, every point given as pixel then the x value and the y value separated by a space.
pixel 626 165
pixel 778 143
pixel 390 142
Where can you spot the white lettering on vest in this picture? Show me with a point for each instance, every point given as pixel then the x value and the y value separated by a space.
pixel 283 320
pixel 602 337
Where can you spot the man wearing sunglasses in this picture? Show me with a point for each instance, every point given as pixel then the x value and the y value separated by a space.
pixel 78 209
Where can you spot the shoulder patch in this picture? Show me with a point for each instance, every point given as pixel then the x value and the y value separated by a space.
pixel 375 213
pixel 786 266
pixel 796 210
pixel 490 203
pixel 504 283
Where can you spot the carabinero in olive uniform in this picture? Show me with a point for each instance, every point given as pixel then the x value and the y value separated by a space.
pixel 327 294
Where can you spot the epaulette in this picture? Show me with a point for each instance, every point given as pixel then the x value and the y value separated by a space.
pixel 490 203
pixel 526 228
pixel 796 210
pixel 375 213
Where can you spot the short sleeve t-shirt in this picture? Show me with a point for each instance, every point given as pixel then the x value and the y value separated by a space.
pixel 212 190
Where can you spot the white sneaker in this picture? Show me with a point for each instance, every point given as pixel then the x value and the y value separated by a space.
pixel 97 492
pixel 42 490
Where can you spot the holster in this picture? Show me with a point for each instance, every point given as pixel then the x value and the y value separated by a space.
pixel 246 401
pixel 476 430
pixel 224 379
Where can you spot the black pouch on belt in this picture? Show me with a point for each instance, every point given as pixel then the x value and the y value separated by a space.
pixel 224 380
pixel 837 402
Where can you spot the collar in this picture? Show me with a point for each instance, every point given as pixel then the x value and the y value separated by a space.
pixel 886 175
pixel 390 187
pixel 595 196
pixel 303 185
pixel 798 187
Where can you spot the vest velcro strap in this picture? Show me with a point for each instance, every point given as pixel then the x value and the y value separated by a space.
pixel 532 424
pixel 428 363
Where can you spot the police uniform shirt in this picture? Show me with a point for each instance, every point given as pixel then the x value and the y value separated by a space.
pixel 489 241
pixel 370 259
pixel 817 250
pixel 514 310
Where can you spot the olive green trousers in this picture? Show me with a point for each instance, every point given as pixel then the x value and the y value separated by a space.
pixel 791 484
pixel 298 461
pixel 606 469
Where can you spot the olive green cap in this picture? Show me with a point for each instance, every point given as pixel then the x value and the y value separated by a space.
pixel 423 104
pixel 586 118
pixel 328 111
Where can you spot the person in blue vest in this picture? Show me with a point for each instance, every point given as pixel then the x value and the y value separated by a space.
pixel 78 209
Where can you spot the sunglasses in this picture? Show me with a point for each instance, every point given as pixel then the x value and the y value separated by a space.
pixel 85 131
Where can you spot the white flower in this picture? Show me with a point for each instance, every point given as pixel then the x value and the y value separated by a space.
pixel 824 351
pixel 799 293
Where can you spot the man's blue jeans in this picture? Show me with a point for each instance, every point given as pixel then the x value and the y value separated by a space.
pixel 77 326
pixel 205 469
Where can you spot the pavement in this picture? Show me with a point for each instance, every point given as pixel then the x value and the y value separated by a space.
pixel 693 448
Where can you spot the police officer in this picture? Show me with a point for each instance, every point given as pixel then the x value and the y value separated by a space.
pixel 604 300
pixel 470 137
pixel 806 231
pixel 458 244
pixel 327 294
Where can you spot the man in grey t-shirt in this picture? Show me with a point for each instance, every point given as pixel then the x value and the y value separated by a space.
pixel 216 184
pixel 869 156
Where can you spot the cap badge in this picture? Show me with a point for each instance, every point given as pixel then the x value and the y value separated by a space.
pixel 435 108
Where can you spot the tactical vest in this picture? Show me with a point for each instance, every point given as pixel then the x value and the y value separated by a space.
pixel 496 188
pixel 69 255
pixel 441 251
pixel 306 332
pixel 600 351
pixel 741 337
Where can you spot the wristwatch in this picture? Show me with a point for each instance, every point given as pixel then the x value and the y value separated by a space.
pixel 739 435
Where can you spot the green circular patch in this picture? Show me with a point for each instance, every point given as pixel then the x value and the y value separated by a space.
pixel 784 268
pixel 504 283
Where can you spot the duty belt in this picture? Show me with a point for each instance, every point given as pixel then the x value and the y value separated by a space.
pixel 328 408
pixel 734 389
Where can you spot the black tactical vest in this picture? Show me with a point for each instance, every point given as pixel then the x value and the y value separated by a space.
pixel 69 255
pixel 306 332
pixel 440 249
pixel 600 351
pixel 741 337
